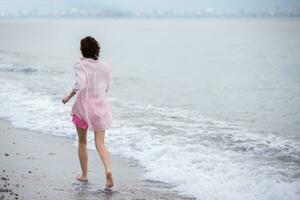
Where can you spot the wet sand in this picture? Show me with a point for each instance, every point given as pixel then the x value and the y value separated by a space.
pixel 39 166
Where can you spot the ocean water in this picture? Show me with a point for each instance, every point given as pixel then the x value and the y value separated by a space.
pixel 210 106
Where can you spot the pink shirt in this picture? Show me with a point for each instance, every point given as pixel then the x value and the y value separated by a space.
pixel 91 84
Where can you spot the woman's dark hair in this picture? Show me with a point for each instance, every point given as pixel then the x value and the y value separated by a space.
pixel 89 48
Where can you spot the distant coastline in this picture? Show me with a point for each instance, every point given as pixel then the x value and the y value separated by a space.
pixel 116 13
pixel 149 17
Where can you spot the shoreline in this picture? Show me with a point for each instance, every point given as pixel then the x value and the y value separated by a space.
pixel 39 166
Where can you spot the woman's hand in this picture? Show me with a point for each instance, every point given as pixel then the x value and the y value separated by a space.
pixel 66 99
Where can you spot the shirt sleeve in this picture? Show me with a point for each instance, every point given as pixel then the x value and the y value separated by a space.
pixel 79 79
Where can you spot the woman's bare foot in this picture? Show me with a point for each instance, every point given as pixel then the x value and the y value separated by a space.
pixel 82 178
pixel 109 179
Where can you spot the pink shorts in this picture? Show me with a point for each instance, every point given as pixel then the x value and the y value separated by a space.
pixel 79 123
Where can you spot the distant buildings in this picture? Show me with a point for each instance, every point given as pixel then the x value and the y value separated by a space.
pixel 111 12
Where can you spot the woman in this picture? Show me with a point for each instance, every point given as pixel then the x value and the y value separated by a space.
pixel 91 111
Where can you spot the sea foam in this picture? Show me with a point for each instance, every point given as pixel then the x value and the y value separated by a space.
pixel 198 156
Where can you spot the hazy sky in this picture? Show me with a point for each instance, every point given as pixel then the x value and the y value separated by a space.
pixel 146 5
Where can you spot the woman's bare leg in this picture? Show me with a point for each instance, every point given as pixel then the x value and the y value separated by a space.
pixel 104 155
pixel 82 153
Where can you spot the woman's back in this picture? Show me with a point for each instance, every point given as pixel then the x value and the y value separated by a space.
pixel 92 82
pixel 97 77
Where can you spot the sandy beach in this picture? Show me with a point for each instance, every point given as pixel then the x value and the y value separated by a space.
pixel 38 166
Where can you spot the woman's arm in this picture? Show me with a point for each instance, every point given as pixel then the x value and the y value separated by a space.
pixel 68 97
pixel 79 82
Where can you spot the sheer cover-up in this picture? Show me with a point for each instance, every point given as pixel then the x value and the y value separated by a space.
pixel 92 79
